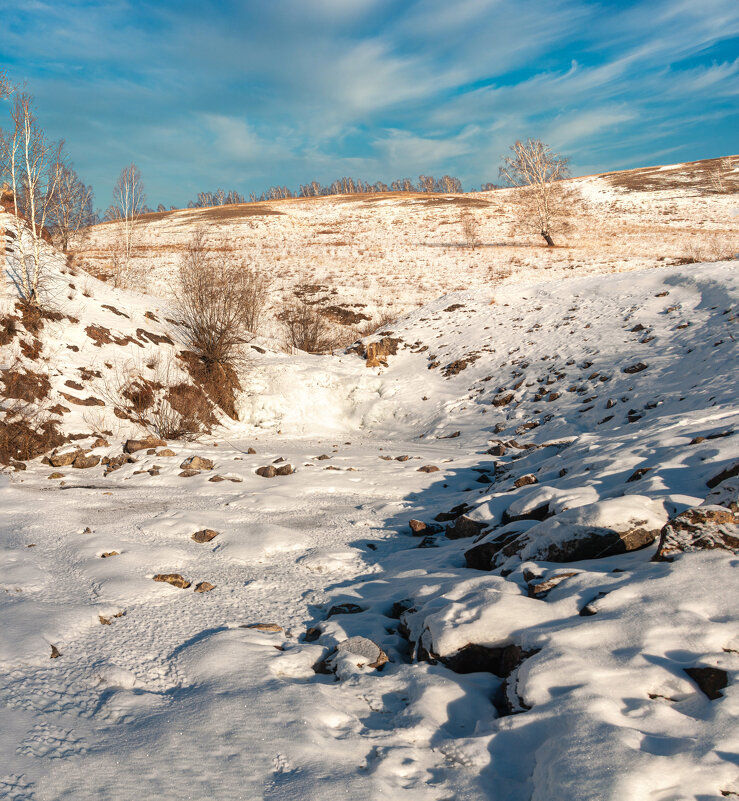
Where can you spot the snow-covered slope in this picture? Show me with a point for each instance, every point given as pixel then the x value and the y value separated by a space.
pixel 548 633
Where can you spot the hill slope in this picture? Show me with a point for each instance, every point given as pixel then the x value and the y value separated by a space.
pixel 215 632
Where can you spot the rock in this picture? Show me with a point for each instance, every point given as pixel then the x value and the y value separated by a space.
pixel 473 658
pixel 64 459
pixel 56 475
pixel 269 471
pixel 453 513
pixel 345 609
pixel 166 452
pixel 196 463
pixel 417 527
pixel 403 458
pixel 399 608
pixel 312 634
pixel 133 445
pixel 216 479
pixel 710 680
pixel 55 653
pixel 428 468
pixel 108 553
pixel 359 651
pixel 285 470
pixel 428 542
pixel 188 473
pixel 524 481
pixel 322 457
pixel 206 535
pixel 251 450
pixel 701 528
pixel 729 472
pixel 635 368
pixel 105 621
pixel 481 557
pixel 270 627
pixel 637 474
pixel 463 527
pixel 84 461
pixel 175 579
pixel 542 588
pixel 503 400
pixel 100 443
pixel 376 353
pixel 725 494
pixel 204 586
pixel 591 607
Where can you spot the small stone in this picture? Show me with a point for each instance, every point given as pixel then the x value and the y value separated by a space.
pixel 55 653
pixel 269 471
pixel 463 527
pixel 204 586
pixel 108 553
pixel 84 461
pixel 637 474
pixel 166 452
pixel 428 468
pixel 251 450
pixel 542 588
pixel 322 457
pixel 285 470
pixel 417 527
pixel 216 479
pixel 188 473
pixel 104 620
pixel 524 481
pixel 403 458
pixel 345 609
pixel 175 579
pixel 197 463
pixel 635 368
pixel 206 535
pixel 270 627
pixel 57 475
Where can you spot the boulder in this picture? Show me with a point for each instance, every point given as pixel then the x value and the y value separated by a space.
pixel 204 586
pixel 524 481
pixel 710 680
pixel 269 471
pixel 428 468
pixel 64 459
pixel 133 445
pixel 465 526
pixel 701 528
pixel 84 461
pixel 345 609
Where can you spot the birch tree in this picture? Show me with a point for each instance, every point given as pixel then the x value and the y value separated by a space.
pixel 543 204
pixel 71 207
pixel 129 200
pixel 31 164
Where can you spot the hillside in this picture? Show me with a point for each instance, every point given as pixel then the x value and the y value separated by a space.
pixel 377 256
pixel 498 563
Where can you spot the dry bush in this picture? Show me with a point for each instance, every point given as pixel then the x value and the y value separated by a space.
pixel 717 247
pixel 381 319
pixel 165 404
pixel 470 232
pixel 220 302
pixel 305 327
pixel 718 177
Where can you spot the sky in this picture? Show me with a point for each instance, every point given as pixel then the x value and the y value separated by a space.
pixel 244 94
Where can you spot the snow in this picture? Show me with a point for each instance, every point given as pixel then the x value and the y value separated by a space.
pixel 165 692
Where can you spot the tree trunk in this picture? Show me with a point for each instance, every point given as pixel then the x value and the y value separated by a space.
pixel 548 238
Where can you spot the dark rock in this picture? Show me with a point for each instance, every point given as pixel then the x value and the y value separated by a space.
pixel 345 609
pixel 428 468
pixel 637 474
pixel 463 527
pixel 269 471
pixel 729 472
pixel 83 461
pixel 285 470
pixel 635 368
pixel 500 661
pixel 543 588
pixel 710 680
pixel 524 481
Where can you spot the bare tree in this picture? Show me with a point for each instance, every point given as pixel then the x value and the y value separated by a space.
pixel 543 203
pixel 129 201
pixel 718 176
pixel 71 208
pixel 6 87
pixel 306 328
pixel 31 164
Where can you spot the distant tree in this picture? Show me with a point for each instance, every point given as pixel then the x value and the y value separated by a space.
pixel 448 184
pixel 31 165
pixel 71 207
pixel 543 202
pixel 489 187
pixel 426 183
pixel 161 207
pixel 129 200
pixel 718 176
pixel 469 227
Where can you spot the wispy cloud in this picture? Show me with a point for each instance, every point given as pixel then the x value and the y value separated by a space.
pixel 202 92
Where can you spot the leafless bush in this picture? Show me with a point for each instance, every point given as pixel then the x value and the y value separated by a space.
pixel 219 301
pixel 26 431
pixel 716 247
pixel 470 233
pixel 305 327
pixel 380 320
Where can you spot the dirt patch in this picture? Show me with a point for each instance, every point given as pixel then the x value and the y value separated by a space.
pixel 219 382
pixel 25 385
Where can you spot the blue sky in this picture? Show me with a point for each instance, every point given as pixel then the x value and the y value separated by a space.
pixel 206 93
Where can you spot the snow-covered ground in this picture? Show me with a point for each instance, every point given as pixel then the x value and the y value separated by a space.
pixel 568 420
pixel 383 255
